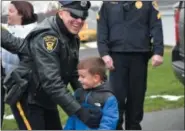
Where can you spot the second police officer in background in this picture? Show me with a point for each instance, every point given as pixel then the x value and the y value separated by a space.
pixel 124 36
pixel 53 48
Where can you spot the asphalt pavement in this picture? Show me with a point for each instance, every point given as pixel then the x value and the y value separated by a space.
pixel 162 120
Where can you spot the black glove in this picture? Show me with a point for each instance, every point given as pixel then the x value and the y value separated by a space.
pixel 15 87
pixel 90 116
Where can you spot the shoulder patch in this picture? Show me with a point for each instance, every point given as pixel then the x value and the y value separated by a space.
pixel 50 43
pixel 155 5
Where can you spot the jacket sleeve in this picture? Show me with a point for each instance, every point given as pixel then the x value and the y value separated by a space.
pixel 102 31
pixel 10 42
pixel 47 61
pixel 74 81
pixel 70 123
pixel 110 115
pixel 156 30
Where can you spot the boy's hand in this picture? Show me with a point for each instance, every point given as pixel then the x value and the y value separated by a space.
pixel 91 117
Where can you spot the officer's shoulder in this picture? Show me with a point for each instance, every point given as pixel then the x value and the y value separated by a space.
pixel 50 42
pixel 46 40
pixel 42 36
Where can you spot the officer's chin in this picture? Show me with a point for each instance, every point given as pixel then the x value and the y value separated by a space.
pixel 74 32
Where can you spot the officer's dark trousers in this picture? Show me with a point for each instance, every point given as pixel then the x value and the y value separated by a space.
pixel 34 117
pixel 44 119
pixel 2 103
pixel 128 81
pixel 2 94
pixel 20 112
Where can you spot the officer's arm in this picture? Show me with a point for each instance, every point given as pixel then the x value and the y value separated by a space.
pixel 74 81
pixel 10 42
pixel 102 31
pixel 47 62
pixel 156 29
pixel 110 114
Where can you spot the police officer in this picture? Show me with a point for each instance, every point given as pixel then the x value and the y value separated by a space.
pixel 51 53
pixel 125 29
pixel 12 44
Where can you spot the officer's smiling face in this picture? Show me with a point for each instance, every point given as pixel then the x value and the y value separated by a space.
pixel 73 25
pixel 88 80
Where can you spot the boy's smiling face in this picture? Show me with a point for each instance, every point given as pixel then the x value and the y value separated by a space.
pixel 87 79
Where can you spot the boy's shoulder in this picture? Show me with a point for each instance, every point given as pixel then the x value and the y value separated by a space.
pixel 103 93
pixel 106 89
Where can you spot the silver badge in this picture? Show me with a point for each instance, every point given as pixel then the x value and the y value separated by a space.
pixel 83 3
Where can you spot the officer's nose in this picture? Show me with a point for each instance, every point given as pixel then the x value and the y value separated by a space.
pixel 79 20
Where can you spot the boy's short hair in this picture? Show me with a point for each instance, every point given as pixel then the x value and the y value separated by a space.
pixel 95 65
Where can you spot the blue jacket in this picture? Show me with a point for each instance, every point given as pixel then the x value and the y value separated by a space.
pixel 100 97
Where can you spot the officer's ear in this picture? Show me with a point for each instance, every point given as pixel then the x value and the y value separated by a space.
pixel 61 13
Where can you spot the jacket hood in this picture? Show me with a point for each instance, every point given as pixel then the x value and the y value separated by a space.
pixel 103 87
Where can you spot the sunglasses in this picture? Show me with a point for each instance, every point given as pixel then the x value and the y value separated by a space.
pixel 77 14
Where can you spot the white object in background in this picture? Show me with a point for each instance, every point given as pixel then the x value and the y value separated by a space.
pixel 167 97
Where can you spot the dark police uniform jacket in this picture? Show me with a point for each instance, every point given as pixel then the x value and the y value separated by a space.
pixel 50 64
pixel 129 26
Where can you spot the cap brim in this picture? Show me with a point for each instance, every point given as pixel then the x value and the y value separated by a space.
pixel 79 13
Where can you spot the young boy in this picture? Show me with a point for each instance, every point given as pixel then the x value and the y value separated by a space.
pixel 95 95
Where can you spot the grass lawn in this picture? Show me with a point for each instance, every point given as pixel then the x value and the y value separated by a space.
pixel 161 81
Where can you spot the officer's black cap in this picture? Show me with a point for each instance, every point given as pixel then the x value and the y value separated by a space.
pixel 78 8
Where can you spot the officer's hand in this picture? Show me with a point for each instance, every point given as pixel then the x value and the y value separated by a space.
pixel 109 62
pixel 90 117
pixel 157 60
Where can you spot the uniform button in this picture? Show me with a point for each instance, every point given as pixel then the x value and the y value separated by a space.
pixel 34 94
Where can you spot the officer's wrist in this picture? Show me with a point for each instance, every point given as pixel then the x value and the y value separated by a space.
pixel 104 54
pixel 78 113
pixel 158 53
